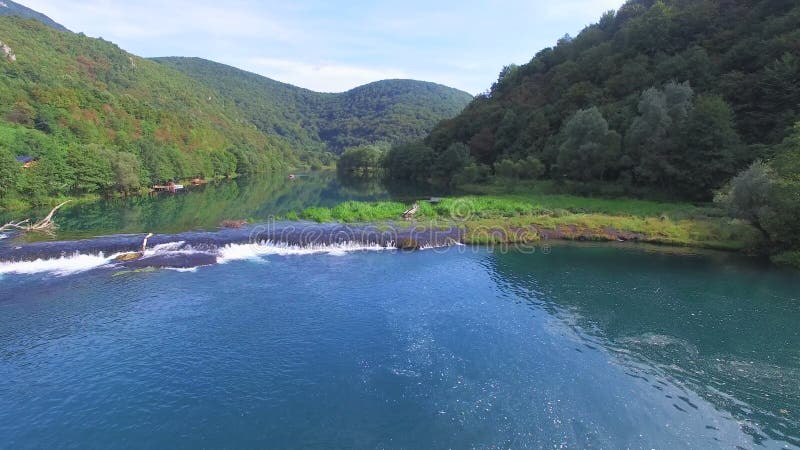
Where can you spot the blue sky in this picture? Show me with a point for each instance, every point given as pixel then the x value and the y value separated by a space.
pixel 334 46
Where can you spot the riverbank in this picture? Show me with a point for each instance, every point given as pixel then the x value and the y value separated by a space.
pixel 15 204
pixel 520 218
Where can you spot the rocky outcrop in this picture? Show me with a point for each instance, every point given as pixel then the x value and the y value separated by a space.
pixel 7 52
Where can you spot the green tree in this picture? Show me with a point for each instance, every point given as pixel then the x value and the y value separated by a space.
pixel 50 176
pixel 361 160
pixel 411 162
pixel 748 195
pixel 481 146
pixel 450 162
pixel 654 136
pixel 711 148
pixel 589 149
pixel 531 168
pixel 127 172
pixel 507 169
pixel 783 218
pixel 768 196
pixel 9 173
pixel 91 167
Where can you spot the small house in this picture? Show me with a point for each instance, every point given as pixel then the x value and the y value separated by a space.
pixel 27 161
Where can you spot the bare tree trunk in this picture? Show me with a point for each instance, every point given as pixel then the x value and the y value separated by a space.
pixel 44 225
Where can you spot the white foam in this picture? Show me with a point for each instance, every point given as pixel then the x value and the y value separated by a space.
pixel 182 269
pixel 65 265
pixel 236 252
pixel 171 248
pixel 168 247
pixel 3 235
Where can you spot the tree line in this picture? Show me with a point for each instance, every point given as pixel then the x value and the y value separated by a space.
pixel 667 99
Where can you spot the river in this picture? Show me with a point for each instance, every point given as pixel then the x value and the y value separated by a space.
pixel 565 346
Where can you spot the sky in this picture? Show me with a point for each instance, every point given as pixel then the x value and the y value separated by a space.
pixel 333 46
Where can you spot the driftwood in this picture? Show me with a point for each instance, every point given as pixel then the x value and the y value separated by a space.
pixel 409 214
pixel 45 225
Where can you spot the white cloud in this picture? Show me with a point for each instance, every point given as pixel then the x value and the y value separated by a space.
pixel 321 77
pixel 334 46
pixel 160 19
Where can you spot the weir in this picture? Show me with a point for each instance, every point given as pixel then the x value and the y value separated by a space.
pixel 201 248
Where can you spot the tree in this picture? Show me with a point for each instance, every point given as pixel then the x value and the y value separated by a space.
pixel 768 196
pixel 782 220
pixel 360 160
pixel 22 113
pixel 654 136
pixel 507 133
pixel 530 168
pixel 507 169
pixel 9 173
pixel 126 169
pixel 91 167
pixel 589 149
pixel 748 195
pixel 481 146
pixel 410 162
pixel 450 162
pixel 710 150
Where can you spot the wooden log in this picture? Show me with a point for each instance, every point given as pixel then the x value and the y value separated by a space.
pixel 233 223
pixel 408 214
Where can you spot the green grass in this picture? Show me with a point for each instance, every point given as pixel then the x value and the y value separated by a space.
pixel 521 217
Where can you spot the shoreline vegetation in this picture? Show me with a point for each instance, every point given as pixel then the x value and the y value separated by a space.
pixel 527 218
pixel 527 213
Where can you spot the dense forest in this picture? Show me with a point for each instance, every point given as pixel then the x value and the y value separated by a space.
pixel 665 99
pixel 390 111
pixel 99 119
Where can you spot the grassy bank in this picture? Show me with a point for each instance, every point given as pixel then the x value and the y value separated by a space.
pixel 532 217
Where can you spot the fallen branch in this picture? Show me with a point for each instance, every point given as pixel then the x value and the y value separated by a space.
pixel 14 225
pixel 409 214
pixel 44 225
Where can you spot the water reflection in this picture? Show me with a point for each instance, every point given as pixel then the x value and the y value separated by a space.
pixel 204 207
pixel 729 336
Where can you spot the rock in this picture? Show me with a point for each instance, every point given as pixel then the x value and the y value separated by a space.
pixel 408 244
pixel 129 256
pixel 7 52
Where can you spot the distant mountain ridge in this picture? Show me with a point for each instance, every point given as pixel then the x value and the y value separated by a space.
pixel 391 111
pixel 9 8
pixel 101 120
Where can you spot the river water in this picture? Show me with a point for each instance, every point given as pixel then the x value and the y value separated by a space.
pixel 565 346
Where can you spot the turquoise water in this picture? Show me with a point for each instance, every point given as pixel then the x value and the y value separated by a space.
pixel 586 346
pixel 257 198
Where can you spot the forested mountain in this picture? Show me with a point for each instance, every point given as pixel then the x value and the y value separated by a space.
pixel 674 96
pixel 100 119
pixel 9 8
pixel 391 111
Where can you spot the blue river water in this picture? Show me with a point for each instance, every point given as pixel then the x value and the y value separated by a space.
pixel 583 346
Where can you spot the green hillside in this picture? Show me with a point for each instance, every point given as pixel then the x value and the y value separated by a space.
pixel 9 8
pixel 391 111
pixel 686 99
pixel 102 120
pixel 672 96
